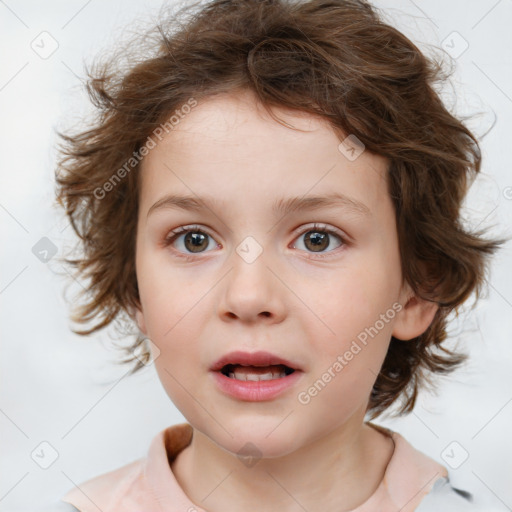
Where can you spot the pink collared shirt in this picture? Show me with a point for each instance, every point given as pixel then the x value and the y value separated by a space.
pixel 149 485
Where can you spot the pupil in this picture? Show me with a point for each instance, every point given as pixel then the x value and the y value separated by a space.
pixel 197 240
pixel 319 240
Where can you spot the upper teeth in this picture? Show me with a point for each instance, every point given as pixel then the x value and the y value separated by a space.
pixel 257 376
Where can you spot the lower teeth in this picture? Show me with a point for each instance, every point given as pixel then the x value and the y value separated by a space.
pixel 256 377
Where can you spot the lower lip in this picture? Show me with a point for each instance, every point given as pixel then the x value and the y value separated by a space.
pixel 252 391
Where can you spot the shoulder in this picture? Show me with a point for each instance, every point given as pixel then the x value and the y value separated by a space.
pixel 444 496
pixel 60 506
pixel 121 486
pixel 409 469
pixel 140 485
pixel 417 482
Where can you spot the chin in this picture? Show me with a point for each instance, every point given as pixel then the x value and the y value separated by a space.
pixel 256 436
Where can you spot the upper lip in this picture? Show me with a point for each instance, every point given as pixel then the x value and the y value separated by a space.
pixel 260 358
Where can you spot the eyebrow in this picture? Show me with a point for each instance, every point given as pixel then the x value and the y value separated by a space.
pixel 280 207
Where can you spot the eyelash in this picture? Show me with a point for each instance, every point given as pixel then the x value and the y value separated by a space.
pixel 322 228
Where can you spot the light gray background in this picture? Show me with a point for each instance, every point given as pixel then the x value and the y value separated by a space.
pixel 62 389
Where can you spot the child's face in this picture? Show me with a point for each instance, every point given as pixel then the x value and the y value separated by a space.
pixel 305 298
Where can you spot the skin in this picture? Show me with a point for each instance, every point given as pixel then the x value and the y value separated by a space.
pixel 290 301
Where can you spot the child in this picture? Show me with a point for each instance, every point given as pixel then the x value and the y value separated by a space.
pixel 302 144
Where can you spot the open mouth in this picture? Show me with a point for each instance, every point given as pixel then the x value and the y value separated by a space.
pixel 255 376
pixel 256 373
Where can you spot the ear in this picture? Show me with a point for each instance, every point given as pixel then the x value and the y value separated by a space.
pixel 415 316
pixel 137 315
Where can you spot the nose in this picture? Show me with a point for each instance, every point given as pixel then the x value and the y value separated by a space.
pixel 252 292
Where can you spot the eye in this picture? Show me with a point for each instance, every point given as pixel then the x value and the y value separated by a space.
pixel 318 238
pixel 190 240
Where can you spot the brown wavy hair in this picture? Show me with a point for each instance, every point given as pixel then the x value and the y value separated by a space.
pixel 336 59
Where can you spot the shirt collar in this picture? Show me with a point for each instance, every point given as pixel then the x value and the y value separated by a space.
pixel 409 477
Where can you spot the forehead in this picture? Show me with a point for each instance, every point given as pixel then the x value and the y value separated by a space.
pixel 228 143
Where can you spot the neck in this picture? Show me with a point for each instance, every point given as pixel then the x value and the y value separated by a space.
pixel 338 472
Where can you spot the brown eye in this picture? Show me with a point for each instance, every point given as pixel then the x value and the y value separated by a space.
pixel 319 240
pixel 316 240
pixel 195 241
pixel 190 240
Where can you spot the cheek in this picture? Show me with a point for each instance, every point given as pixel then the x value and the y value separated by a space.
pixel 178 381
pixel 170 295
pixel 358 322
pixel 354 302
pixel 176 306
